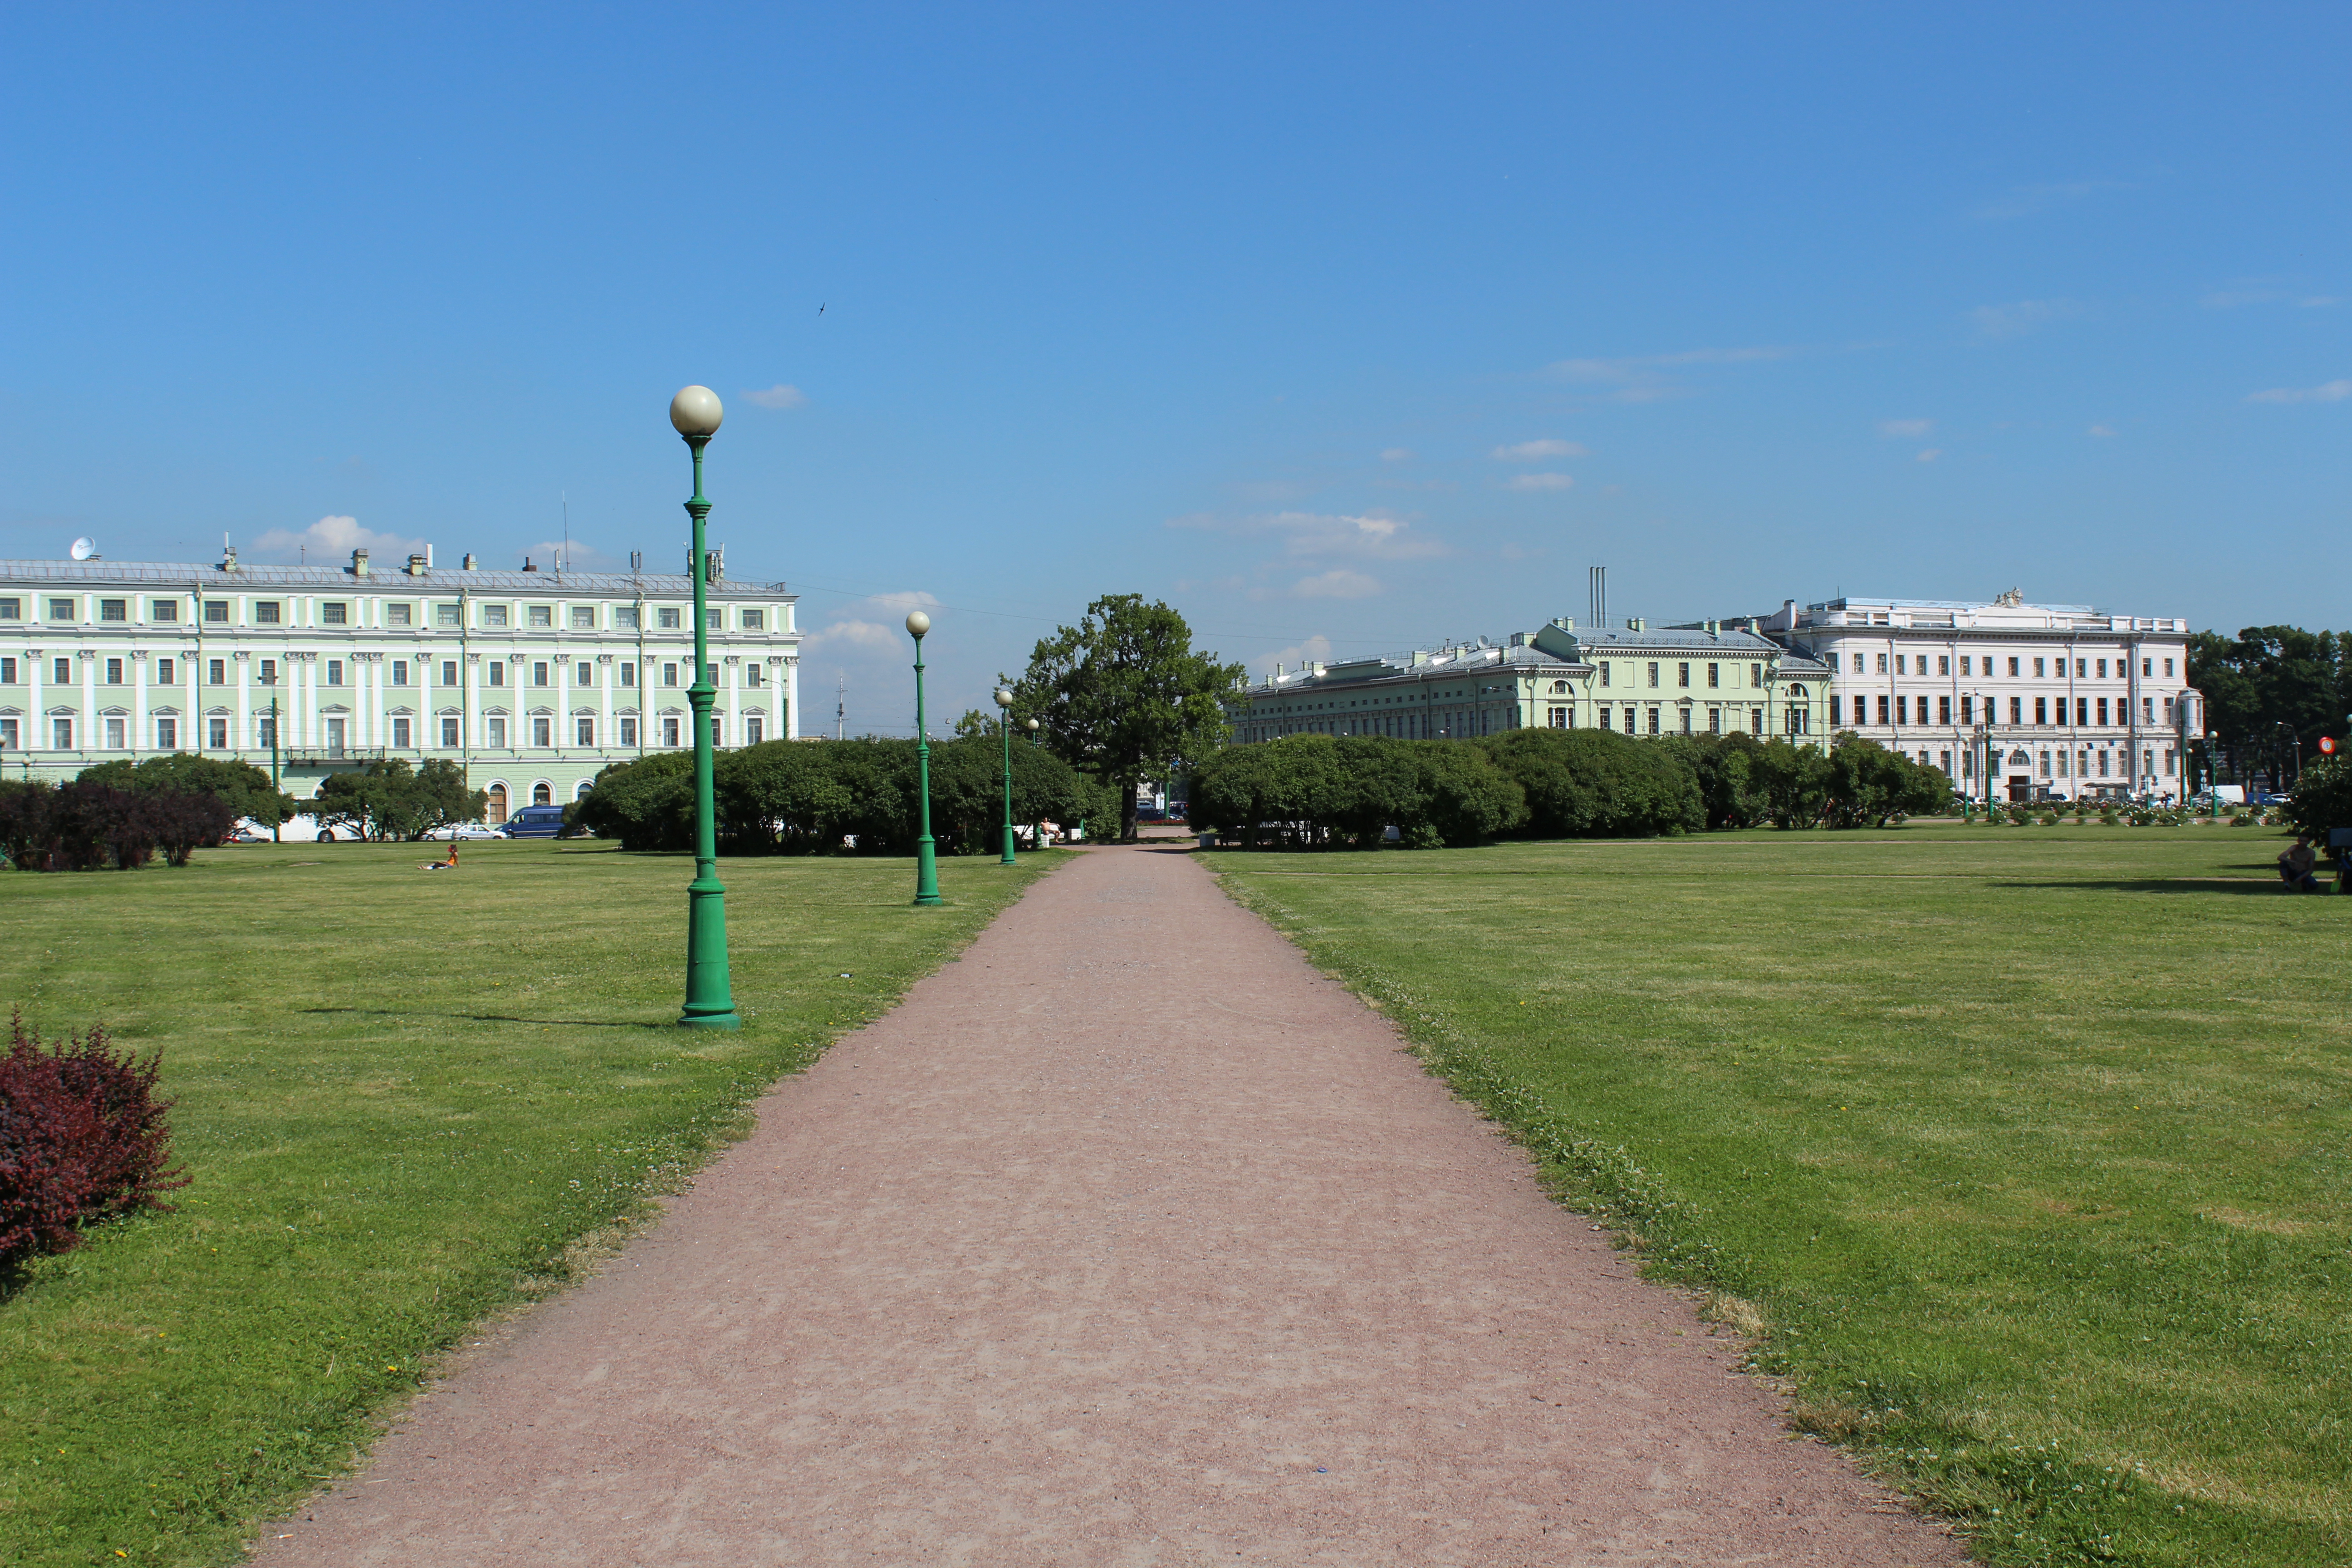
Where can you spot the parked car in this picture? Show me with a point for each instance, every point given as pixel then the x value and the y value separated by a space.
pixel 244 834
pixel 534 822
pixel 465 830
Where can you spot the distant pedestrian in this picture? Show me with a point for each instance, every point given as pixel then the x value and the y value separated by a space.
pixel 2294 866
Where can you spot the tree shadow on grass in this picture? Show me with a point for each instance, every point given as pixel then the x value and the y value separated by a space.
pixel 489 1017
pixel 2267 887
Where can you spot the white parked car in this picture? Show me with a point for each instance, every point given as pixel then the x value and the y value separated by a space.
pixel 463 830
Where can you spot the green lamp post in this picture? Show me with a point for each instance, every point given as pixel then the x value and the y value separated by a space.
pixel 709 1005
pixel 1004 727
pixel 926 863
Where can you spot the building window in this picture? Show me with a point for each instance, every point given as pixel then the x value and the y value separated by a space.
pixel 755 676
pixel 2017 709
pixel 1557 717
pixel 167 672
pixel 1943 710
pixel 2013 670
pixel 1944 761
pixel 541 795
pixel 1836 702
pixel 449 672
pixel 628 731
pixel 717 729
pixel 2148 709
pixel 2103 762
pixel 2168 675
pixel 334 672
pixel 1882 708
pixel 670 675
pixel 584 674
pixel 114 610
pixel 265 612
pixel 755 620
pixel 2103 669
pixel 540 615
pixel 2082 709
pixel 9 738
pixel 1882 663
pixel 2146 668
pixel 395 614
pixel 216 734
pixel 1944 666
pixel 669 731
pixel 449 614
pixel 713 619
pixel 1682 675
pixel 624 617
pixel 1653 720
pixel 114 672
pixel 496 812
pixel 666 619
pixel 334 614
pixel 2038 674
pixel 542 732
pixel 710 674
pixel 1605 675
pixel 2041 711
pixel 494 615
pixel 584 617
pixel 1714 721
pixel 1857 664
pixel 1968 764
pixel 628 675
pixel 11 609
pixel 1756 719
pixel 217 672
pixel 265 733
pixel 215 611
pixel 62 734
pixel 1964 664
pixel 399 672
pixel 1653 675
pixel 497 729
pixel 450 732
pixel 268 672
pixel 539 674
pixel 62 610
pixel 61 672
pixel 495 672
pixel 1968 708
pixel 583 731
pixel 400 732
pixel 754 729
pixel 8 672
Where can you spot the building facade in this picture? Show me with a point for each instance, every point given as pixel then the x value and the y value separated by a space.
pixel 1676 680
pixel 531 680
pixel 2012 700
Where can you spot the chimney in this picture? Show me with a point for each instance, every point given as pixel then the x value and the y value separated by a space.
pixel 526 565
pixel 359 562
pixel 469 561
pixel 1637 624
pixel 416 567
pixel 228 557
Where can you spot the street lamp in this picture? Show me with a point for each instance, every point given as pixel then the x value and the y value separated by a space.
pixel 695 413
pixel 927 863
pixel 1004 727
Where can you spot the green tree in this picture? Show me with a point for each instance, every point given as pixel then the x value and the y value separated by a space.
pixel 1596 783
pixel 2321 800
pixel 242 787
pixel 976 725
pixel 1125 696
pixel 1868 786
pixel 388 800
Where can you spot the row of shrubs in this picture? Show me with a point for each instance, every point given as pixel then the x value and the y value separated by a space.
pixel 1325 789
pixel 83 827
pixel 799 797
pixel 82 1139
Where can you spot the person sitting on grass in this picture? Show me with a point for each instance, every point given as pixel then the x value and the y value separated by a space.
pixel 2294 866
pixel 448 865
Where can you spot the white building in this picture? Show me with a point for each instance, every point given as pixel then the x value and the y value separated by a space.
pixel 533 680
pixel 2007 697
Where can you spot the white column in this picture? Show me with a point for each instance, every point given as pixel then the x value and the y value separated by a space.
pixel 84 742
pixel 792 725
pixel 36 719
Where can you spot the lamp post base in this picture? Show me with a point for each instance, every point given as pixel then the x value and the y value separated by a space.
pixel 709 997
pixel 1008 858
pixel 927 877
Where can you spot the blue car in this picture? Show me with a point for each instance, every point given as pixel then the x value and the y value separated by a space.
pixel 535 822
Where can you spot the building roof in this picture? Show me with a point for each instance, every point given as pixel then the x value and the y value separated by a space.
pixel 1556 648
pixel 382 580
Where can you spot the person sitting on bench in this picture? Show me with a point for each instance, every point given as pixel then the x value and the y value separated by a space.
pixel 2295 865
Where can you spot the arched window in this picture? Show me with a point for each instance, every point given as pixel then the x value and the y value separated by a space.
pixel 541 794
pixel 498 792
pixel 582 791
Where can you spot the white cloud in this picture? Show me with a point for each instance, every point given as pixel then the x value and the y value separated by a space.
pixel 1316 649
pixel 2327 392
pixel 2320 301
pixel 779 396
pixel 1931 454
pixel 330 537
pixel 2025 316
pixel 1541 482
pixel 1642 378
pixel 1308 536
pixel 851 632
pixel 1396 453
pixel 1911 429
pixel 1337 583
pixel 2102 430
pixel 1536 452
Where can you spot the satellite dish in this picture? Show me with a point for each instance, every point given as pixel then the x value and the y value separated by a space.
pixel 84 548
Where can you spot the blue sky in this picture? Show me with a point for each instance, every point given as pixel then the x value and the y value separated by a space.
pixel 1342 328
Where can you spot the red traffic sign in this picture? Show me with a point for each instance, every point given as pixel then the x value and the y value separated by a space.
pixel 2328 742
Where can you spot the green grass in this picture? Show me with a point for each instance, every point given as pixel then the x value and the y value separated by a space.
pixel 407 1101
pixel 2029 1147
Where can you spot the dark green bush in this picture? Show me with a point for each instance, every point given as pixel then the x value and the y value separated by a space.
pixel 1595 784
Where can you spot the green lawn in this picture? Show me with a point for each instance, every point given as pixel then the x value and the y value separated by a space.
pixel 406 1100
pixel 2029 1146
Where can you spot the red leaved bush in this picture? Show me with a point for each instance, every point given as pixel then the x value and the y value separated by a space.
pixel 82 1139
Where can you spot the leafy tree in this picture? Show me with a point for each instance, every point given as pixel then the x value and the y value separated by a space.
pixel 2269 688
pixel 242 787
pixel 1794 782
pixel 1124 696
pixel 781 792
pixel 648 804
pixel 977 724
pixel 86 825
pixel 388 799
pixel 1595 784
pixel 1869 786
pixel 2322 799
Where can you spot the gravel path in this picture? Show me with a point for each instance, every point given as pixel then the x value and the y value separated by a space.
pixel 1127 1239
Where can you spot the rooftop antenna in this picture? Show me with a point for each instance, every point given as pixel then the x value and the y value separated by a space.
pixel 84 549
pixel 840 707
